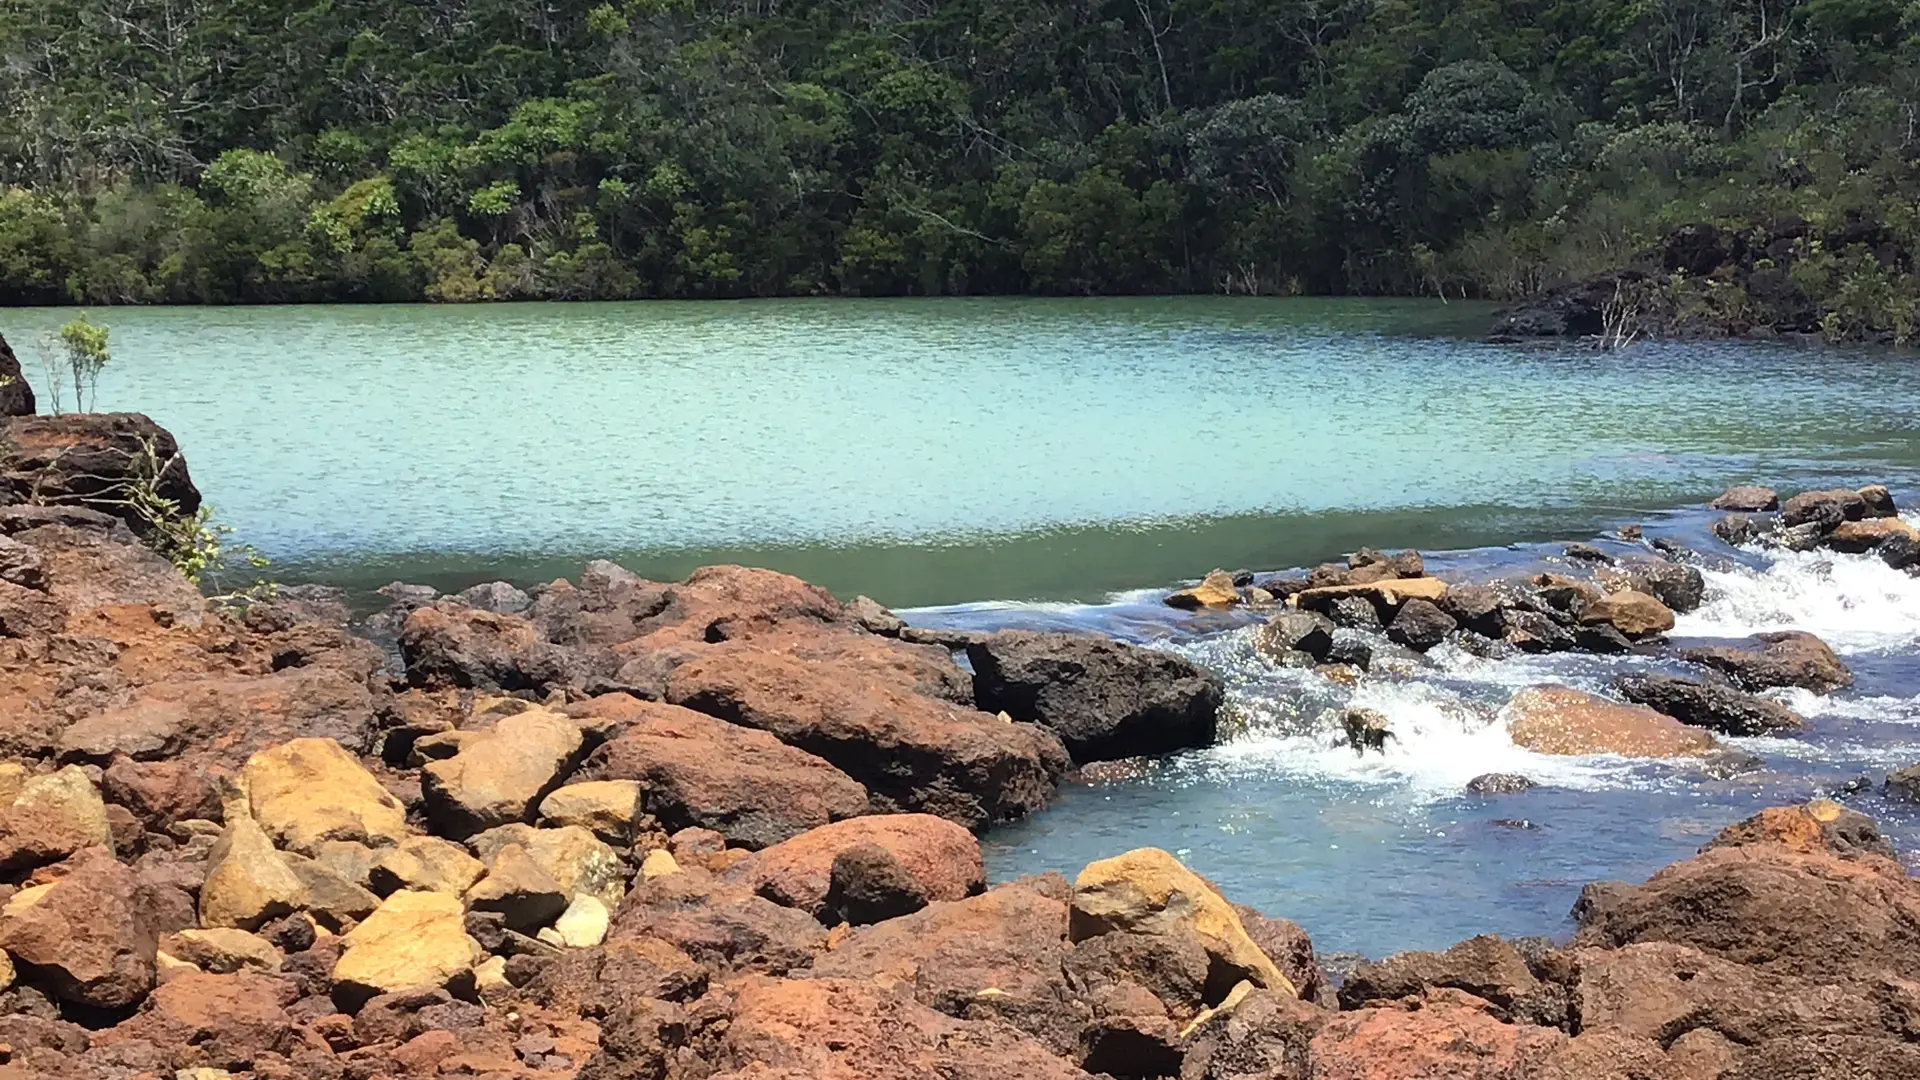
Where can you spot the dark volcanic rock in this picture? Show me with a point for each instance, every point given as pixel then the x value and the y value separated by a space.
pixel 93 460
pixel 1420 625
pixel 1735 529
pixel 1785 658
pixel 16 397
pixel 1677 585
pixel 1105 699
pixel 1710 705
pixel 1879 501
pixel 1292 630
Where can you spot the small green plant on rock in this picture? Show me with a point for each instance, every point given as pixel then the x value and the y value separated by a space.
pixel 78 350
pixel 197 544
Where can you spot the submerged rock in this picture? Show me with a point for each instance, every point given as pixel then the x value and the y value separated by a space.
pixel 1708 705
pixel 1785 658
pixel 1105 699
pixel 1499 784
pixel 1366 730
pixel 1561 720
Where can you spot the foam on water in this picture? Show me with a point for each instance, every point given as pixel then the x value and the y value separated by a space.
pixel 1856 603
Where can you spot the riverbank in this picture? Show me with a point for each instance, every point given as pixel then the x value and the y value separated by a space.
pixel 726 827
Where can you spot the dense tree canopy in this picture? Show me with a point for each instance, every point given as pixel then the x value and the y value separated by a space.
pixel 281 150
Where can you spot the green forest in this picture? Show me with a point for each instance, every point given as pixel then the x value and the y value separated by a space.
pixel 247 151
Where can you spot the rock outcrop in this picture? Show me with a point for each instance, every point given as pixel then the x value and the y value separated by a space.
pixel 1105 699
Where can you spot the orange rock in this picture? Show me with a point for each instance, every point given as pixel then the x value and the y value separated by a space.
pixel 1442 1042
pixel 1561 720
pixel 941 857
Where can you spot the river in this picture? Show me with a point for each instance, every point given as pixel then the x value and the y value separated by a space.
pixel 991 463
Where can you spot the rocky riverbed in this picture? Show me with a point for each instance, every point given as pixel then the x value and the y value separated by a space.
pixel 728 827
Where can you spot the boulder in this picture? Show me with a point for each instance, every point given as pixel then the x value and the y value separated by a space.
pixel 1264 1035
pixel 309 791
pixel 223 951
pixel 89 936
pixel 1709 705
pixel 502 776
pixel 162 793
pixel 446 644
pixel 1499 784
pixel 912 752
pixel 939 859
pixel 1784 658
pixel 1879 501
pixel 334 900
pixel 517 888
pixel 1216 590
pixel 50 817
pixel 576 859
pixel 868 884
pixel 1386 595
pixel 845 1028
pixel 1535 632
pixel 1677 585
pixel 1481 608
pixel 595 980
pixel 1904 784
pixel 414 940
pixel 1147 891
pixel 1735 529
pixel 95 460
pixel 1860 537
pixel 1747 499
pixel 16 396
pixel 723 926
pixel 1291 630
pixel 204 1025
pixel 1825 509
pixel 1105 699
pixel 1633 613
pixel 426 863
pixel 1561 720
pixel 248 882
pixel 609 809
pixel 1454 1041
pixel 1420 625
pixel 696 771
pixel 499 597
pixel 1485 966
pixel 1821 826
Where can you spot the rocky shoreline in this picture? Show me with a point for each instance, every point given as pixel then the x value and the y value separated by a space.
pixel 619 829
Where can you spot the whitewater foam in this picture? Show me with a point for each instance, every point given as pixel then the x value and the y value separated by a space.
pixel 1856 603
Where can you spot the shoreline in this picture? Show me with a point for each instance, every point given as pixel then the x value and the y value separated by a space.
pixel 619 828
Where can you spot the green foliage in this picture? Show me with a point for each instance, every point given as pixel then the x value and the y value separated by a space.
pixel 363 150
pixel 73 356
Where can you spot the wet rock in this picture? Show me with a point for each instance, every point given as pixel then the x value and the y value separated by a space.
pixel 1479 608
pixel 223 951
pixel 309 791
pixel 1292 630
pixel 912 752
pixel 1677 585
pixel 51 817
pixel 940 859
pixel 498 597
pixel 90 937
pixel 1633 613
pixel 1904 784
pixel 1823 508
pixel 1354 613
pixel 517 888
pixel 415 940
pixel 1499 784
pixel 1147 891
pixel 1366 730
pixel 1820 826
pixel 1105 699
pixel 1420 625
pixel 1214 591
pixel 1900 553
pixel 248 883
pixel 1586 553
pixel 1879 501
pixel 1386 595
pixel 1747 499
pixel 92 460
pixel 1709 705
pixel 427 863
pixel 1561 720
pixel 1735 529
pixel 1860 537
pixel 445 644
pixel 1603 638
pixel 698 772
pixel 1535 632
pixel 500 777
pixel 1784 658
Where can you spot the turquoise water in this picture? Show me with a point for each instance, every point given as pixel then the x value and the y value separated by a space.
pixel 948 450
pixel 991 463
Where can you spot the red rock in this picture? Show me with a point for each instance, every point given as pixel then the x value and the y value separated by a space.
pixel 911 751
pixel 90 934
pixel 214 1021
pixel 943 858
pixel 1484 966
pixel 1656 989
pixel 161 793
pixel 447 644
pixel 701 772
pixel 724 927
pixel 1436 1043
pixel 1784 658
pixel 596 981
pixel 1561 720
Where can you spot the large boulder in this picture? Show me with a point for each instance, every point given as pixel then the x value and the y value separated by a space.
pixel 1104 698
pixel 1561 720
pixel 1824 509
pixel 309 791
pixel 912 752
pixel 1820 826
pixel 1709 705
pixel 1148 891
pixel 413 940
pixel 90 935
pixel 941 860
pixel 447 644
pixel 1630 611
pixel 97 461
pixel 500 776
pixel 16 396
pixel 696 771
pixel 1784 658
